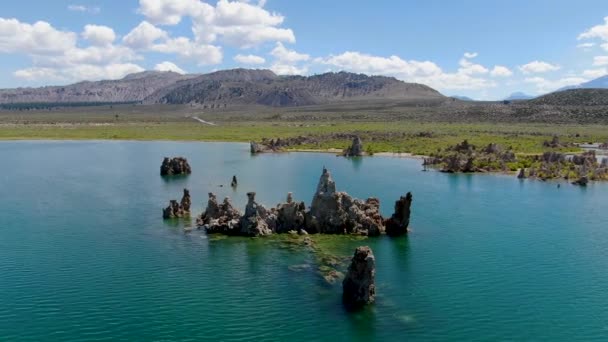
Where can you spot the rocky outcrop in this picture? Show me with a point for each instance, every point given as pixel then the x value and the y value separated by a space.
pixel 220 218
pixel 333 212
pixel 397 224
pixel 581 181
pixel 186 201
pixel 465 157
pixel 522 173
pixel 358 286
pixel 291 216
pixel 355 149
pixel 175 166
pixel 181 209
pixel 257 221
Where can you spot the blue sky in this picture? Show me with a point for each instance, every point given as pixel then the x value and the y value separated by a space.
pixel 481 49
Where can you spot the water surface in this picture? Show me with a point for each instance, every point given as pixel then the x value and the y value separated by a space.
pixel 85 255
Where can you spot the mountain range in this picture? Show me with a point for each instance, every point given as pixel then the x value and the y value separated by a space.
pixel 227 87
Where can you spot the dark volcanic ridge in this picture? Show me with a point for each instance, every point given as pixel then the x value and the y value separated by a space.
pixel 227 88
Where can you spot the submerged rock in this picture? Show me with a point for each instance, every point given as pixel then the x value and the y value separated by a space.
pixel 333 212
pixel 355 149
pixel 175 166
pixel 358 287
pixel 397 224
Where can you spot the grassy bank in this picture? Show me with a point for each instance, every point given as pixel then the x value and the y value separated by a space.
pixel 413 137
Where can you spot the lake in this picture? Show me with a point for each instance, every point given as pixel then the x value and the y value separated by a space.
pixel 86 256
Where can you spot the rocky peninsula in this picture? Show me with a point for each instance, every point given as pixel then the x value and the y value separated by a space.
pixel 330 212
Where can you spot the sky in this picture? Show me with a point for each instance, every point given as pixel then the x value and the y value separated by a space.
pixel 482 49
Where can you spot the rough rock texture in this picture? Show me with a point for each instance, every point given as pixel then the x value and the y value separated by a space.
pixel 355 149
pixel 220 218
pixel 186 201
pixel 581 181
pixel 175 166
pixel 397 224
pixel 290 216
pixel 522 173
pixel 465 157
pixel 181 209
pixel 358 287
pixel 333 212
pixel 257 221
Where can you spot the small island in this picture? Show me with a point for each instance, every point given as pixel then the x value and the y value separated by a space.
pixel 331 212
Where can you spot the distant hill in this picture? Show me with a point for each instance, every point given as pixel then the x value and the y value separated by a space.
pixel 462 98
pixel 574 97
pixel 519 96
pixel 132 88
pixel 227 87
pixel 263 87
pixel 598 83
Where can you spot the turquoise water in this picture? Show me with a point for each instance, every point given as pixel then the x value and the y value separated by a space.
pixel 85 255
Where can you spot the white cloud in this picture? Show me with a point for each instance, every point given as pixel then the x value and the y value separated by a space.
pixel 538 67
pixel 84 9
pixel 286 69
pixel 249 59
pixel 99 35
pixel 147 37
pixel 78 73
pixel 168 66
pixel 144 35
pixel 600 60
pixel 598 31
pixel 544 85
pixel 470 55
pixel 281 53
pixel 585 45
pixel 469 68
pixel 184 47
pixel 424 72
pixel 595 73
pixel 236 23
pixel 38 38
pixel 55 55
pixel 501 71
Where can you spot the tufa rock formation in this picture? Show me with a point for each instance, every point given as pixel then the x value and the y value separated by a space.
pixel 257 220
pixel 333 212
pixel 291 216
pixel 175 166
pixel 219 218
pixel 355 149
pixel 358 287
pixel 398 223
pixel 234 182
pixel 465 157
pixel 522 173
pixel 181 209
